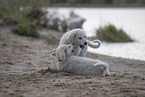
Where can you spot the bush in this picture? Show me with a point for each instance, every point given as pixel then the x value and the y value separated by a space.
pixel 0 37
pixel 4 12
pixel 35 14
pixel 27 29
pixel 111 34
pixel 26 20
pixel 23 25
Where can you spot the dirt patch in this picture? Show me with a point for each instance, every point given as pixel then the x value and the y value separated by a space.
pixel 24 72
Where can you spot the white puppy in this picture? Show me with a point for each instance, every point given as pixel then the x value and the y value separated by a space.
pixel 77 37
pixel 79 65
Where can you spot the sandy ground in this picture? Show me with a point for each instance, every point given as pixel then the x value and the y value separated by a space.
pixel 24 71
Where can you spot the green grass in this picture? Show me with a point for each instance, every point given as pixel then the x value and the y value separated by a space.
pixel 0 37
pixel 25 21
pixel 4 12
pixel 110 33
pixel 27 29
pixel 23 26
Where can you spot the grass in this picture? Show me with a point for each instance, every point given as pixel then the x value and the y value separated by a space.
pixel 23 15
pixel 4 12
pixel 110 33
pixel 23 25
pixel 27 29
pixel 0 37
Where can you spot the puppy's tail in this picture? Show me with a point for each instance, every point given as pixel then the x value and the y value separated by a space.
pixel 95 45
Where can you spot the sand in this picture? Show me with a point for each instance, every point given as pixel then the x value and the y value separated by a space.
pixel 25 71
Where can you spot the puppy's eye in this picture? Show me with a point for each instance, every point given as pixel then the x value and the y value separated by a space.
pixel 84 36
pixel 80 38
pixel 72 50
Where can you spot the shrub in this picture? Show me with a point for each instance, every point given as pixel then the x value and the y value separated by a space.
pixel 24 17
pixel 27 29
pixel 23 25
pixel 4 12
pixel 35 14
pixel 111 34
pixel 0 37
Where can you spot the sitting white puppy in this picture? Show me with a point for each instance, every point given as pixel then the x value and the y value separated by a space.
pixel 79 65
pixel 77 37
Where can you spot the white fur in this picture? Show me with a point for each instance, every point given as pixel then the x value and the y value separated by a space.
pixel 78 38
pixel 80 65
pixel 62 52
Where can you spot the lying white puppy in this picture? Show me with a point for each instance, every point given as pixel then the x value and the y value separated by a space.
pixel 79 65
pixel 77 37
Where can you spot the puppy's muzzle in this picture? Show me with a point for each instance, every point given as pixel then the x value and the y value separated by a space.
pixel 82 46
pixel 85 43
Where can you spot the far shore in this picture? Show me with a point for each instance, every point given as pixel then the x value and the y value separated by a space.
pixel 96 6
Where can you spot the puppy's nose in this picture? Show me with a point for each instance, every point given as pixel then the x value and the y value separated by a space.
pixel 85 43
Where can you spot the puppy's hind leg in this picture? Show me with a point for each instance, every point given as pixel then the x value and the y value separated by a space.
pixel 107 71
pixel 102 68
pixel 106 68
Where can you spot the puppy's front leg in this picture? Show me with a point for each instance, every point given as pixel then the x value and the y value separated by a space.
pixel 83 51
pixel 77 51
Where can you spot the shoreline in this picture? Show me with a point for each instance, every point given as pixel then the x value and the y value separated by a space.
pixel 117 57
pixel 114 57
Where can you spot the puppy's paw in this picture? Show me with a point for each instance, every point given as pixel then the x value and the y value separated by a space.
pixel 107 74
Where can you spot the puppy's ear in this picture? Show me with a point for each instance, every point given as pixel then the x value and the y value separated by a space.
pixel 71 37
pixel 53 52
pixel 61 55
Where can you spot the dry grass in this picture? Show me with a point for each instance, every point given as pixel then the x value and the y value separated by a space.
pixel 110 33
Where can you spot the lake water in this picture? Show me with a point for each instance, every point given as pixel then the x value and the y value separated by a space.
pixel 132 20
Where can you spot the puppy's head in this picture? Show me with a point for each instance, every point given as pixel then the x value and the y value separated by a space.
pixel 78 37
pixel 69 49
pixel 63 52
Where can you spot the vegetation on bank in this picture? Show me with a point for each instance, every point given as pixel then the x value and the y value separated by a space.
pixel 26 20
pixel 23 16
pixel 0 37
pixel 27 29
pixel 110 33
pixel 22 25
pixel 28 16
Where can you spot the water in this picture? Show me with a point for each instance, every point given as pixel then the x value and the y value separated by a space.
pixel 132 20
